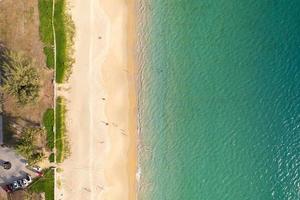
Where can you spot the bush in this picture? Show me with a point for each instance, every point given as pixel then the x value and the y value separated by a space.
pixel 20 79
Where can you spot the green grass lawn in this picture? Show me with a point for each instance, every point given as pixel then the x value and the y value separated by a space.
pixel 60 130
pixel 51 158
pixel 44 184
pixel 60 32
pixel 46 33
pixel 48 122
pixel 64 31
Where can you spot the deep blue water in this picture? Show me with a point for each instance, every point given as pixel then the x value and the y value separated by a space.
pixel 220 100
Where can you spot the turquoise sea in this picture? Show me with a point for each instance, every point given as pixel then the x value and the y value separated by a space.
pixel 219 101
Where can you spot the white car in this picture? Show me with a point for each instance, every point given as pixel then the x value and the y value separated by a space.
pixel 37 168
pixel 23 182
pixel 28 178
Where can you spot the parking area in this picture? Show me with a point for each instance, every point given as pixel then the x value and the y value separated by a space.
pixel 18 168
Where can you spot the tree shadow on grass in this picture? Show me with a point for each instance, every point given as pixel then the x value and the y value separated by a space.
pixel 13 127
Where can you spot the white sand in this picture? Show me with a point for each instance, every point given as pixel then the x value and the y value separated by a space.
pixel 102 164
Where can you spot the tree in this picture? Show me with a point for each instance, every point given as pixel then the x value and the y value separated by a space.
pixel 26 145
pixel 20 78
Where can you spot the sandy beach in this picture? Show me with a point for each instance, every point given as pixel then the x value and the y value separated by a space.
pixel 101 103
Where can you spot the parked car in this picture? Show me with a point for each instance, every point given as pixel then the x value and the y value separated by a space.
pixel 28 178
pixel 23 182
pixel 37 168
pixel 13 187
pixel 7 189
pixel 18 184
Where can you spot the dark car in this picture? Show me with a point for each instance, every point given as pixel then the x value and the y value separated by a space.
pixel 13 186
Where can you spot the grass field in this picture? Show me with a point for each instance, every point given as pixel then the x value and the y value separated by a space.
pixel 46 33
pixel 44 184
pixel 64 31
pixel 48 122
pixel 64 34
pixel 61 142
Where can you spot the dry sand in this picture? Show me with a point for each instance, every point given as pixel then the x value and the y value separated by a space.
pixel 101 117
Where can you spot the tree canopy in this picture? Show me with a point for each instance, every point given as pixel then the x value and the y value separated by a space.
pixel 20 78
pixel 26 145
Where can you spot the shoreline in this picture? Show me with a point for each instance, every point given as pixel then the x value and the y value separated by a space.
pixel 132 35
pixel 102 103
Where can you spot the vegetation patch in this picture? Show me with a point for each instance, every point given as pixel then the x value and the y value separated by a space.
pixel 64 32
pixel 27 147
pixel 44 184
pixel 51 158
pixel 48 122
pixel 64 36
pixel 62 146
pixel 46 32
pixel 20 78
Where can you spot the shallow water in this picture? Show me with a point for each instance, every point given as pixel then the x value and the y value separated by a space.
pixel 220 100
